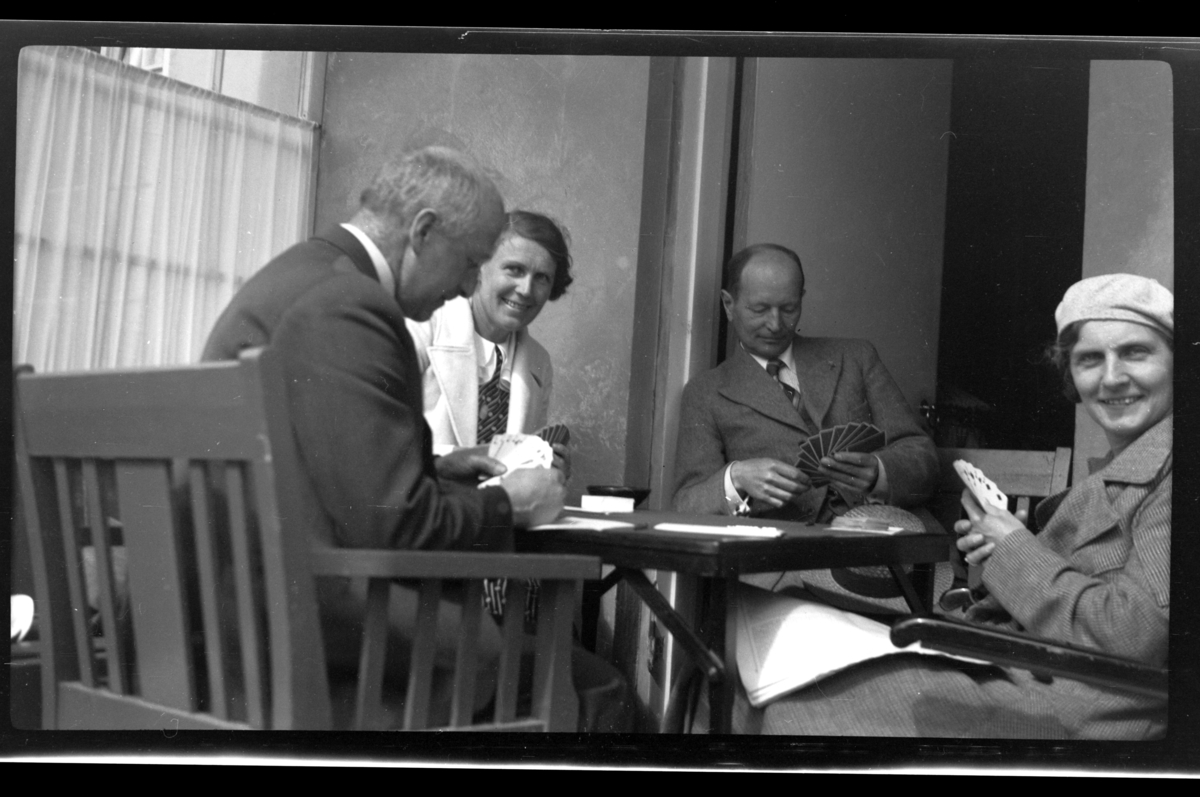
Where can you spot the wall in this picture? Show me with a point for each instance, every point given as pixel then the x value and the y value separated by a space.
pixel 849 170
pixel 1129 217
pixel 562 135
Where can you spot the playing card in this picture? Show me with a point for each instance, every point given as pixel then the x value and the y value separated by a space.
pixel 984 489
pixel 872 440
pixel 835 439
pixel 823 442
pixel 519 451
pixel 555 433
pixel 854 433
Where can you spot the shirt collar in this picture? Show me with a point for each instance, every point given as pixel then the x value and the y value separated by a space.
pixel 386 278
pixel 485 354
pixel 785 358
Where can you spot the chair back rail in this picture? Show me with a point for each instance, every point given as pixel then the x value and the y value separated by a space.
pixel 152 503
pixel 1022 475
pixel 173 593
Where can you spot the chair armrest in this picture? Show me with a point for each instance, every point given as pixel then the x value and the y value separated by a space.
pixel 452 564
pixel 1013 649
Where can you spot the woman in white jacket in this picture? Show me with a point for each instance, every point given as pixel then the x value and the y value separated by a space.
pixel 467 341
pixel 482 347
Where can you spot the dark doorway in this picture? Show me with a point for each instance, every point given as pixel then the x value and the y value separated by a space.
pixel 1014 243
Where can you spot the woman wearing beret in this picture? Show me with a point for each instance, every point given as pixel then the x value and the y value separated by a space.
pixel 1097 575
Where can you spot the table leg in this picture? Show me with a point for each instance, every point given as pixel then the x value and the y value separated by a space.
pixel 722 638
pixel 917 590
pixel 593 591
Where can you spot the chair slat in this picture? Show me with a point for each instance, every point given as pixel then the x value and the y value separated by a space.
pixel 161 626
pixel 372 656
pixel 73 557
pixel 512 627
pixel 207 568
pixel 554 699
pixel 243 578
pixel 116 651
pixel 418 697
pixel 1062 470
pixel 466 655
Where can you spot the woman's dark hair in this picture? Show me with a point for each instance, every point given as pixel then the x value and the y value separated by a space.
pixel 542 230
pixel 1059 355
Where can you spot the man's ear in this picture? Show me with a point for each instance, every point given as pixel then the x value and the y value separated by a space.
pixel 422 225
pixel 727 303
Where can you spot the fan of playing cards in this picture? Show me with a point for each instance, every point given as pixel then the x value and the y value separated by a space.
pixel 861 437
pixel 518 451
pixel 984 489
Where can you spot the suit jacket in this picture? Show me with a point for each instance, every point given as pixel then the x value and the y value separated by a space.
pixel 445 346
pixel 737 411
pixel 354 390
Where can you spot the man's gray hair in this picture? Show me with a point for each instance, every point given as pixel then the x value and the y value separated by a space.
pixel 439 178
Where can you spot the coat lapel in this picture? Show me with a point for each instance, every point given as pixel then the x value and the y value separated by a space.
pixel 818 373
pixel 526 384
pixel 746 382
pixel 452 358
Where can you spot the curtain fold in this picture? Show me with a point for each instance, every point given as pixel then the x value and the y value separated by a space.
pixel 142 206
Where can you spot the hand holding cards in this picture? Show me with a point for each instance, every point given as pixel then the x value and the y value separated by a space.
pixel 858 437
pixel 518 451
pixel 984 489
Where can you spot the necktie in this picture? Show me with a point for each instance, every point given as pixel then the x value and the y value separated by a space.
pixel 773 369
pixel 493 404
pixel 493 420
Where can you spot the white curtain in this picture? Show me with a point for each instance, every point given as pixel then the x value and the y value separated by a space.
pixel 142 206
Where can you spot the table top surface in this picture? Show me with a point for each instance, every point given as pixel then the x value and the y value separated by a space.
pixel 801 546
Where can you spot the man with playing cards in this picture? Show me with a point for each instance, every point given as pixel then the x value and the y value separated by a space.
pixel 333 311
pixel 743 423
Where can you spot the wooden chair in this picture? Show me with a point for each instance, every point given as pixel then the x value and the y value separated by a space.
pixel 1042 656
pixel 1022 475
pixel 183 483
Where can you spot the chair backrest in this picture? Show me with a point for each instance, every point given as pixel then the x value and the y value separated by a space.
pixel 166 595
pixel 1022 475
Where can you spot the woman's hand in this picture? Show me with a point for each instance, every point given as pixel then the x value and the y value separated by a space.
pixel 562 460
pixel 984 528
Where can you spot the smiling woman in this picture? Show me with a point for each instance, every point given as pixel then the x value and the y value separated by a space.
pixel 1115 350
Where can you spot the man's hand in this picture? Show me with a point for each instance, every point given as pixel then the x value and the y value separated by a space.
pixel 468 464
pixel 769 480
pixel 852 471
pixel 537 495
pixel 562 460
pixel 983 528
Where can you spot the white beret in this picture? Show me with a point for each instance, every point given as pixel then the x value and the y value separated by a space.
pixel 1118 297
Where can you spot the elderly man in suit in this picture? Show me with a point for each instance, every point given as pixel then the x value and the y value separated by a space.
pixel 333 309
pixel 742 423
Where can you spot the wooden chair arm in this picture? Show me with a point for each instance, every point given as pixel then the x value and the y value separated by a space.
pixel 1042 656
pixel 452 564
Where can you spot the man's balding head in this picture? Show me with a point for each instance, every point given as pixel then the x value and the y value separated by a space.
pixel 438 178
pixel 435 216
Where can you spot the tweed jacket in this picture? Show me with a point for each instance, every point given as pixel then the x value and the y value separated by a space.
pixel 737 411
pixel 1098 574
pixel 445 346
pixel 354 390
